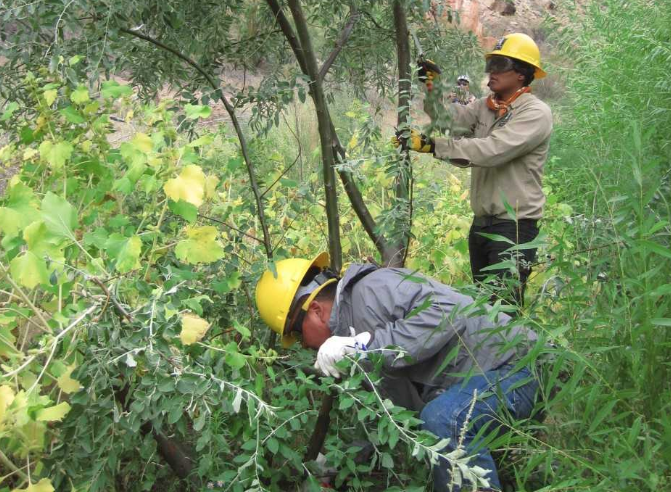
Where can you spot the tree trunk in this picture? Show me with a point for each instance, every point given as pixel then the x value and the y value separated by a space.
pixel 399 249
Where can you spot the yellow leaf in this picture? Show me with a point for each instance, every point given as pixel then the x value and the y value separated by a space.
pixel 29 153
pixel 353 141
pixel 142 142
pixel 211 183
pixel 188 186
pixel 463 196
pixel 201 246
pixel 43 485
pixel 57 412
pixel 6 399
pixel 193 328
pixel 50 96
pixel 66 383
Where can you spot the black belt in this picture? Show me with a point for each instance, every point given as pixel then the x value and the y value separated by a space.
pixel 490 220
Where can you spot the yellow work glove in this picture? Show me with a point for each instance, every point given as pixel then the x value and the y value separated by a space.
pixel 428 72
pixel 417 142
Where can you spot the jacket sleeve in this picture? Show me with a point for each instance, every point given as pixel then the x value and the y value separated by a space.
pixel 524 131
pixel 423 331
pixel 457 117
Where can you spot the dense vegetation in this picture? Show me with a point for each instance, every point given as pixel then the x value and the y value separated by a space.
pixel 147 197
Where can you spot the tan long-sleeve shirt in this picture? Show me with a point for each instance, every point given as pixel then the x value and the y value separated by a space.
pixel 506 154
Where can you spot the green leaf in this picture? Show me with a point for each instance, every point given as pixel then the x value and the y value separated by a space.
pixel 186 210
pixel 201 246
pixel 508 207
pixel 273 445
pixel 59 216
pixel 41 242
pixel 80 95
pixel 125 250
pixel 496 237
pixel 56 155
pixel 194 112
pixel 661 321
pixel 112 89
pixel 234 358
pixel 29 270
pixel 242 329
pixel 9 111
pixel 20 211
pixel 72 115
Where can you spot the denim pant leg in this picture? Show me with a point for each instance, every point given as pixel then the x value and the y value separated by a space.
pixel 446 416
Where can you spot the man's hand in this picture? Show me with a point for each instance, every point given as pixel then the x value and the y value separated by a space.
pixel 417 142
pixel 428 72
pixel 334 349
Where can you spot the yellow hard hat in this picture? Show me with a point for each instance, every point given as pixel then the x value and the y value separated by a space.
pixel 275 292
pixel 520 47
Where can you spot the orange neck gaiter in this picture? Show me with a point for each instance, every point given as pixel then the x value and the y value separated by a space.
pixel 501 107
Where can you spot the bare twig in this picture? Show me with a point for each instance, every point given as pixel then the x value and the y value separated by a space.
pixel 342 39
pixel 231 227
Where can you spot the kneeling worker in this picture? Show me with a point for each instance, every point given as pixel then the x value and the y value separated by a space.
pixel 372 308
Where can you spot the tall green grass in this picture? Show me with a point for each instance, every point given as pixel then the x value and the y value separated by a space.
pixel 607 299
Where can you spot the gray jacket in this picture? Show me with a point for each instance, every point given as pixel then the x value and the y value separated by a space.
pixel 381 301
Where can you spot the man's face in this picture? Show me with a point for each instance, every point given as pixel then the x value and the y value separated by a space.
pixel 316 324
pixel 502 77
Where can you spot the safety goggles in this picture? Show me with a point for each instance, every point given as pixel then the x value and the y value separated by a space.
pixel 462 83
pixel 298 312
pixel 499 64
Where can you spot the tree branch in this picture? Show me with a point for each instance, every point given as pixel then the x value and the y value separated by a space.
pixel 342 39
pixel 236 125
pixel 325 134
pixel 353 192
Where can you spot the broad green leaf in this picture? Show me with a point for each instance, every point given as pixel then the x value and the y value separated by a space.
pixel 55 413
pixel 80 95
pixel 234 358
pixel 44 485
pixel 201 246
pixel 193 328
pixel 56 155
pixel 7 340
pixel 66 383
pixel 72 115
pixel 188 186
pixel 29 270
pixel 186 210
pixel 125 250
pixel 193 111
pixel 112 89
pixel 20 211
pixel 9 110
pixel 41 242
pixel 59 216
pixel 242 329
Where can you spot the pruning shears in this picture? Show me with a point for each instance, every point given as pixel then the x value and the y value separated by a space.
pixel 428 70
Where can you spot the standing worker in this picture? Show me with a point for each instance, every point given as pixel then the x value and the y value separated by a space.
pixel 506 142
pixel 458 370
pixel 462 93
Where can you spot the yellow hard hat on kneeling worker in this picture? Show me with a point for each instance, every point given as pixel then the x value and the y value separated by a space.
pixel 276 292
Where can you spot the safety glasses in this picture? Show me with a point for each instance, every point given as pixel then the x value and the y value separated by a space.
pixel 498 64
pixel 462 83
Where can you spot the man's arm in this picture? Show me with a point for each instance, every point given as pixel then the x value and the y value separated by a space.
pixel 522 133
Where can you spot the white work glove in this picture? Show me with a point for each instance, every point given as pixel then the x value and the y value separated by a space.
pixel 334 349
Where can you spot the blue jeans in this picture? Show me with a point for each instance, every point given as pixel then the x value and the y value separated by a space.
pixel 446 415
